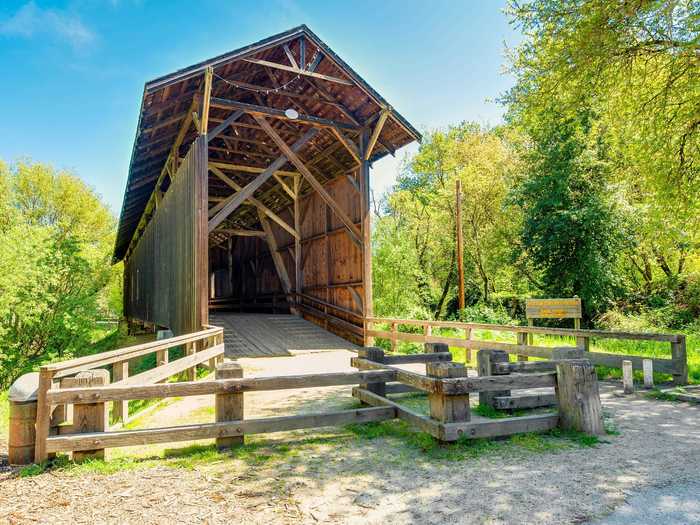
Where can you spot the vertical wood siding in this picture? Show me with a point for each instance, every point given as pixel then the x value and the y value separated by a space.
pixel 166 275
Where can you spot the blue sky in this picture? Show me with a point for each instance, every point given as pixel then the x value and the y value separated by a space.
pixel 73 72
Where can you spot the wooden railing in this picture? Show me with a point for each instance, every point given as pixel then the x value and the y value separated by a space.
pixel 677 365
pixel 204 346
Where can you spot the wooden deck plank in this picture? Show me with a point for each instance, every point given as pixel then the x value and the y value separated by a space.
pixel 273 335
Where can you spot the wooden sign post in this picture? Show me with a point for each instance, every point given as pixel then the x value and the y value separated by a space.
pixel 556 309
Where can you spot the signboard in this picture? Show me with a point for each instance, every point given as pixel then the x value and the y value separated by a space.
pixel 553 308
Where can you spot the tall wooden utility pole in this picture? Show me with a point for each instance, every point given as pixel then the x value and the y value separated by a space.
pixel 460 243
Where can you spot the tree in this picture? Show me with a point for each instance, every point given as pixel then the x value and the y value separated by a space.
pixel 570 230
pixel 56 238
pixel 420 215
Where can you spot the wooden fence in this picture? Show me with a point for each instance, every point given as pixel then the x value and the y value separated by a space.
pixel 205 346
pixel 677 365
pixel 445 383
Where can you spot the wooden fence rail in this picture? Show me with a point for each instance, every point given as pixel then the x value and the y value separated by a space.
pixel 200 347
pixel 677 365
pixel 446 384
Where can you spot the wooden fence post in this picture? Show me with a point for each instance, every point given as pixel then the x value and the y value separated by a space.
pixel 376 355
pixel 522 341
pixel 191 349
pixel 43 415
pixel 627 377
pixel 89 417
pixel 120 409
pixel 680 361
pixel 448 408
pixel 229 407
pixel 394 336
pixel 468 351
pixel 648 368
pixel 578 397
pixel 485 361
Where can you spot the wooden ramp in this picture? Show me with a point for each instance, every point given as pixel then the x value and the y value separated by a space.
pixel 273 335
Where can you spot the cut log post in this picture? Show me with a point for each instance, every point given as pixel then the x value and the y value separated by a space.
pixel 648 368
pixel 680 361
pixel 89 417
pixel 486 359
pixel 448 408
pixel 229 407
pixel 578 397
pixel 433 348
pixel 120 409
pixel 376 355
pixel 22 433
pixel 627 377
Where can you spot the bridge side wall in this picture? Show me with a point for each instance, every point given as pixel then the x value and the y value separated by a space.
pixel 165 276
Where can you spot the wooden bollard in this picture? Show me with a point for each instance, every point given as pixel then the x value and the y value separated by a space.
pixel 448 408
pixel 578 397
pixel 485 361
pixel 89 417
pixel 229 407
pixel 376 355
pixel 648 369
pixel 627 377
pixel 22 435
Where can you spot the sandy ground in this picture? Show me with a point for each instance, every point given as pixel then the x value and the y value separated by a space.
pixel 338 478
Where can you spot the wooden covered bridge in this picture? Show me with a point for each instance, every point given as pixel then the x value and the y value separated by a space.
pixel 248 197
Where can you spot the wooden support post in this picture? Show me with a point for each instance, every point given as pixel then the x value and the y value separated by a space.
pixel 394 337
pixel 366 231
pixel 229 407
pixel 460 244
pixel 530 337
pixel 43 415
pixel 89 417
pixel 162 357
pixel 578 397
pixel 522 340
pixel 468 354
pixel 298 276
pixel 486 359
pixel 120 409
pixel 627 377
pixel 680 361
pixel 448 408
pixel 648 368
pixel 584 343
pixel 191 349
pixel 376 355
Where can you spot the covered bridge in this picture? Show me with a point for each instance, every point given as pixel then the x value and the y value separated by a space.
pixel 248 189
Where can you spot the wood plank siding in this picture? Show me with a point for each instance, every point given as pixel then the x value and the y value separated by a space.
pixel 162 274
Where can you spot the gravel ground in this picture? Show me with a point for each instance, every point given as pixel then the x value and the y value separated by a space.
pixel 672 504
pixel 382 480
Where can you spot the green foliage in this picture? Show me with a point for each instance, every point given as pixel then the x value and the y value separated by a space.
pixel 570 231
pixel 55 242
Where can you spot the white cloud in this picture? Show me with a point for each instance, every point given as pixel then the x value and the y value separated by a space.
pixel 32 20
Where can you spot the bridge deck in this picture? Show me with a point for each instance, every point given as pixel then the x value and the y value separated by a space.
pixel 270 335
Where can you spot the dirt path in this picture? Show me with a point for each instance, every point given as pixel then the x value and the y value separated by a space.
pixel 334 476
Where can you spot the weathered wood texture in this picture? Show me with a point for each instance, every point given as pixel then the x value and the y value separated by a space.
pixel 330 265
pixel 677 366
pixel 229 407
pixel 578 396
pixel 165 278
pixel 22 438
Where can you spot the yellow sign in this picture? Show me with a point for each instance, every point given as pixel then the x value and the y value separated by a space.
pixel 553 308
